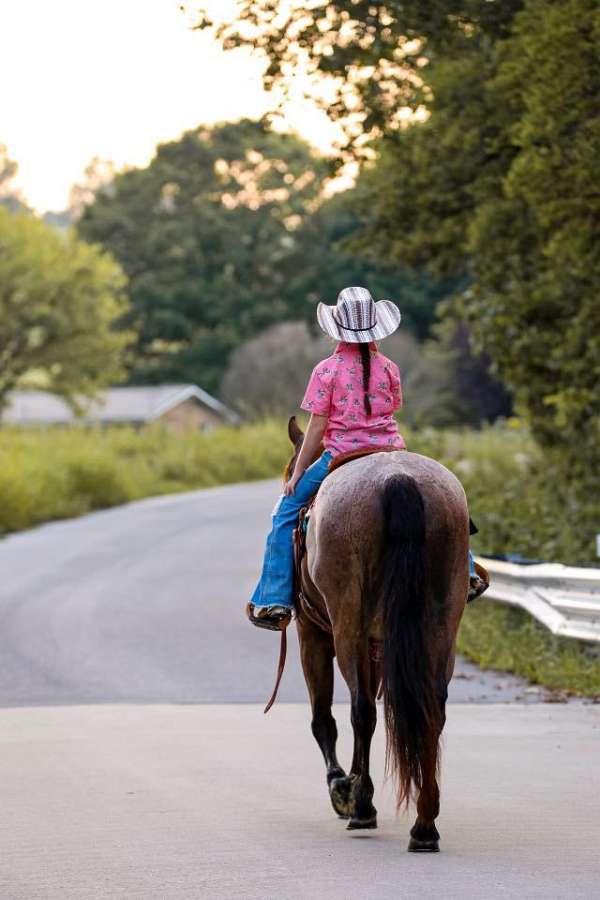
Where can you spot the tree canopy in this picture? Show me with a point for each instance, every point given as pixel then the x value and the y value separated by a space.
pixel 373 54
pixel 225 233
pixel 501 184
pixel 496 183
pixel 59 300
pixel 205 234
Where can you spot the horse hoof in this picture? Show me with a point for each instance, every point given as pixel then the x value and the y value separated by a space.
pixel 355 824
pixel 340 792
pixel 415 846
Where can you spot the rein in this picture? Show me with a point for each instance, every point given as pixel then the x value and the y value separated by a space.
pixel 280 668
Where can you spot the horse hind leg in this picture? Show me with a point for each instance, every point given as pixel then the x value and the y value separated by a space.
pixel 424 836
pixel 316 653
pixel 364 717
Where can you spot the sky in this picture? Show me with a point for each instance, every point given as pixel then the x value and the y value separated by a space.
pixel 112 78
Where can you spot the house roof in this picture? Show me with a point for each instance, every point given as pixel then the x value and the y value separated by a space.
pixel 114 405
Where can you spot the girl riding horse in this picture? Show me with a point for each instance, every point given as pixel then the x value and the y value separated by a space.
pixel 351 397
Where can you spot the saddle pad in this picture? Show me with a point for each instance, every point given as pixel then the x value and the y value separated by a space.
pixel 342 458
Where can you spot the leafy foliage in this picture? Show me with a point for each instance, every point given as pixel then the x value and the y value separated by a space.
pixel 535 296
pixel 373 54
pixel 225 233
pixel 205 235
pixel 50 474
pixel 10 197
pixel 59 299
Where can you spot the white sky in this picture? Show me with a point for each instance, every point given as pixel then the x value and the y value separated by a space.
pixel 111 78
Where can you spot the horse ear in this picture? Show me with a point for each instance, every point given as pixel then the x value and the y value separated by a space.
pixel 295 433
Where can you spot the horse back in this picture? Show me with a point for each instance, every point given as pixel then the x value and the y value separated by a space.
pixel 349 500
pixel 346 532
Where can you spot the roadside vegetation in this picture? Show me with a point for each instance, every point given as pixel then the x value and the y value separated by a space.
pixel 53 474
pixel 508 639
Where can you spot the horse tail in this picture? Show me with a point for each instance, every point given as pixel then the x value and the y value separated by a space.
pixel 412 711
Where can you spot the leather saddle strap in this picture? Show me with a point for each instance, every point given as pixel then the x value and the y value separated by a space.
pixel 280 668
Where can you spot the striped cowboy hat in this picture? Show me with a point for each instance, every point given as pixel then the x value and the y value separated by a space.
pixel 356 318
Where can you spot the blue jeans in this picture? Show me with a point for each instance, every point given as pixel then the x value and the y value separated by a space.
pixel 276 584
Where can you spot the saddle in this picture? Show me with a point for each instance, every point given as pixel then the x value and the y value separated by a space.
pixel 302 603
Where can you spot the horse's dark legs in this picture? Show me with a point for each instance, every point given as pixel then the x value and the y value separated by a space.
pixel 363 688
pixel 424 835
pixel 364 717
pixel 317 652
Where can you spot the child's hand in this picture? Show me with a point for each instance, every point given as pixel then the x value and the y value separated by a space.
pixel 290 486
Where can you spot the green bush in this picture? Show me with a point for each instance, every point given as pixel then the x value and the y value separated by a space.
pixel 53 474
pixel 519 503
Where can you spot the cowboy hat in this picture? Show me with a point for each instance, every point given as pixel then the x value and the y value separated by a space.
pixel 356 318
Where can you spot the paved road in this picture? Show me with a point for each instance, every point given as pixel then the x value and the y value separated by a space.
pixel 202 802
pixel 136 763
pixel 144 604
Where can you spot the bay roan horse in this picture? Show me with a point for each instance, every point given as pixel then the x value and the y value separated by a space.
pixel 385 578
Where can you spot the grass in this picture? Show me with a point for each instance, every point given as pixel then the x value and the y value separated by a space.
pixel 508 639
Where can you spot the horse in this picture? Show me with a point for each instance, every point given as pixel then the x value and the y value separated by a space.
pixel 383 585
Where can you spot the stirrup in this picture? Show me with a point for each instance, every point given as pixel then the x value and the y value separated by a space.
pixel 478 583
pixel 277 621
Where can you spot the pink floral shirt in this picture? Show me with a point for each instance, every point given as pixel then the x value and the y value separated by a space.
pixel 335 390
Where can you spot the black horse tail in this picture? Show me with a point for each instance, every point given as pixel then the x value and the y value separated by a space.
pixel 412 710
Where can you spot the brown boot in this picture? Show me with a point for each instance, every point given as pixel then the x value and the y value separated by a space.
pixel 274 618
pixel 478 583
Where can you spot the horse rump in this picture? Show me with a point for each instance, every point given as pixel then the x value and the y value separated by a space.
pixel 411 706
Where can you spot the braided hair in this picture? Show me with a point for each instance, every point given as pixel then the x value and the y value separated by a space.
pixel 365 356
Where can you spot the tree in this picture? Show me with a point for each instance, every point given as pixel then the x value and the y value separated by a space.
pixel 501 185
pixel 268 374
pixel 59 300
pixel 207 237
pixel 10 197
pixel 329 238
pixel 225 233
pixel 534 302
pixel 373 54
